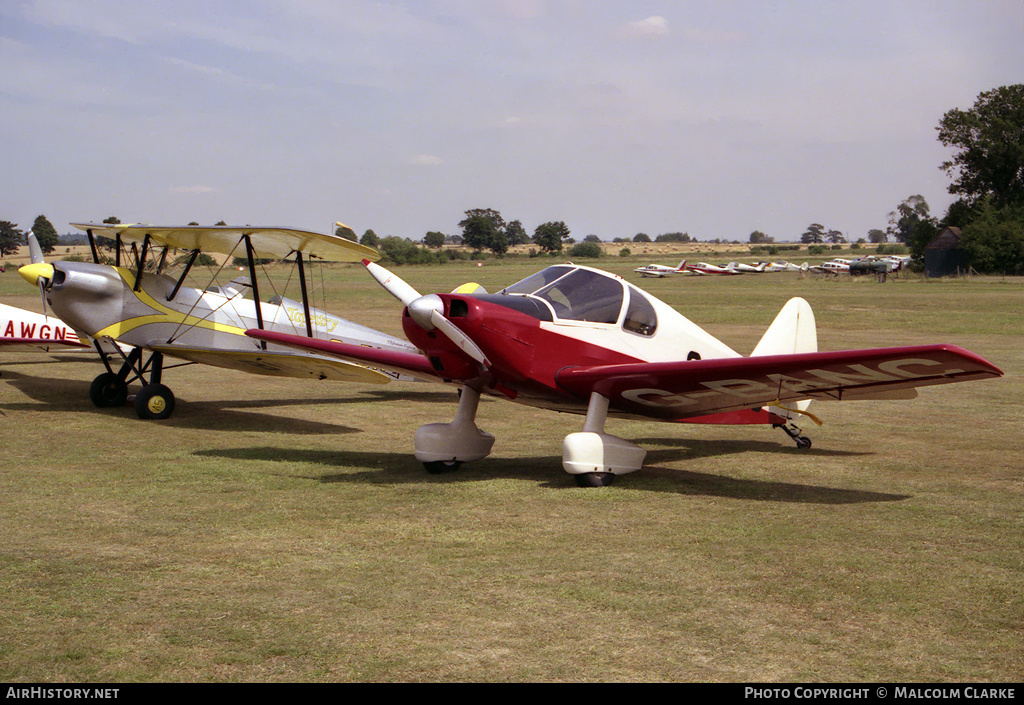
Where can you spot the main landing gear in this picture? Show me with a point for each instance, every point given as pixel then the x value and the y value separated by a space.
pixel 591 456
pixel 594 457
pixel 110 389
pixel 443 447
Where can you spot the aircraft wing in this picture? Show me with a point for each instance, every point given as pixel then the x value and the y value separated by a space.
pixel 276 363
pixel 267 242
pixel 687 389
pixel 394 361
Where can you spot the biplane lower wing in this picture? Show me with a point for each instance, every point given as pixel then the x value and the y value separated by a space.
pixel 688 389
pixel 276 363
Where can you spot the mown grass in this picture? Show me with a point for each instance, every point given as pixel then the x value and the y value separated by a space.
pixel 275 530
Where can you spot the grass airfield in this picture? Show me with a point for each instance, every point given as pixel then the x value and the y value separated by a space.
pixel 280 530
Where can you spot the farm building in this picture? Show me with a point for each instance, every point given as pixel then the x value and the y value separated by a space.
pixel 943 256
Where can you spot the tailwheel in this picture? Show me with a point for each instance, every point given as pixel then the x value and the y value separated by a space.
pixel 594 479
pixel 438 467
pixel 793 431
pixel 155 401
pixel 108 390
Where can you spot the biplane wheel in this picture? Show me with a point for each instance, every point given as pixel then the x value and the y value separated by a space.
pixel 155 401
pixel 108 390
pixel 803 442
pixel 437 467
pixel 594 479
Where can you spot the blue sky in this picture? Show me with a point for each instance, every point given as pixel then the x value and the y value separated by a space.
pixel 715 118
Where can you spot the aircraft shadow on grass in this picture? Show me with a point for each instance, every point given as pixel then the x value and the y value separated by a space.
pixel 386 468
pixel 238 415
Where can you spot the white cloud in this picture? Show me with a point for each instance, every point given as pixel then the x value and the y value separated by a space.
pixel 426 160
pixel 655 26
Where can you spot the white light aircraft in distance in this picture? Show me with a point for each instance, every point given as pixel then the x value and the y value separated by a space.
pixel 660 270
pixel 580 340
pixel 705 268
pixel 145 309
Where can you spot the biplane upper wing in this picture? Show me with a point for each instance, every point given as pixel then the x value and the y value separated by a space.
pixel 267 242
pixel 688 389
pixel 276 363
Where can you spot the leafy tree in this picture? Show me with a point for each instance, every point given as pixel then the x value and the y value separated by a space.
pixel 586 249
pixel 906 217
pixel 911 224
pixel 549 236
pixel 370 239
pixel 591 238
pixel 45 234
pixel 673 237
pixel 815 233
pixel 10 238
pixel 834 236
pixel 989 144
pixel 994 241
pixel 641 237
pixel 877 236
pixel 516 233
pixel 484 228
pixel 433 239
pixel 346 232
pixel 757 238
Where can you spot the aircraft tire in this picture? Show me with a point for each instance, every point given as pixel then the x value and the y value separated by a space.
pixel 594 479
pixel 438 467
pixel 155 401
pixel 803 442
pixel 108 390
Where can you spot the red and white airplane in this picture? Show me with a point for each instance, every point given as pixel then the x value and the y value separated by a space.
pixel 660 270
pixel 705 268
pixel 580 340
pixel 24 330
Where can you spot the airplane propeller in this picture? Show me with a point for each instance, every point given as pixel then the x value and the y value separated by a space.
pixel 427 311
pixel 38 272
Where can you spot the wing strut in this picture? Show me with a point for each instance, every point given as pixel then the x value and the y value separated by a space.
pixel 181 279
pixel 255 286
pixel 92 246
pixel 141 262
pixel 305 294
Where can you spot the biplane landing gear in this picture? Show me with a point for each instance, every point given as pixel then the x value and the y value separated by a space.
pixel 110 389
pixel 155 401
pixel 793 431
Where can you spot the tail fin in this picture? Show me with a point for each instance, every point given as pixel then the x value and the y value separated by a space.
pixel 682 266
pixel 792 331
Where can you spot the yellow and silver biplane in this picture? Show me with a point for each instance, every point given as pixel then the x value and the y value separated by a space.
pixel 143 304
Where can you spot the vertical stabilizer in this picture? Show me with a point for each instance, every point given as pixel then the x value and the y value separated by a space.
pixel 792 331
